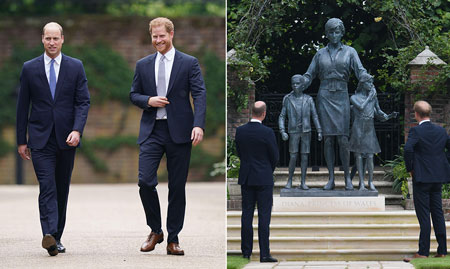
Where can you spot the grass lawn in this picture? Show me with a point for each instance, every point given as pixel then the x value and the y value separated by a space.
pixel 236 262
pixel 432 263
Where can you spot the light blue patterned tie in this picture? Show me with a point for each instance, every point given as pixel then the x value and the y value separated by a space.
pixel 52 78
pixel 161 87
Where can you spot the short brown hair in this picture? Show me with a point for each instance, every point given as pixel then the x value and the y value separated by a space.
pixel 423 108
pixel 168 24
pixel 258 110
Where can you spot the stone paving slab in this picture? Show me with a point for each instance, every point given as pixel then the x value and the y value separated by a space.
pixel 106 226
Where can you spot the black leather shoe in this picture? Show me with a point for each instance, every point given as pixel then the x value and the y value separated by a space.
pixel 246 257
pixel 268 259
pixel 60 247
pixel 49 243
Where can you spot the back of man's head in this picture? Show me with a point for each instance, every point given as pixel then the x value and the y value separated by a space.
pixel 258 109
pixel 422 108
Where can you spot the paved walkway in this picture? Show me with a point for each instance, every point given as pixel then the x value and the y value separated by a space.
pixel 106 226
pixel 331 265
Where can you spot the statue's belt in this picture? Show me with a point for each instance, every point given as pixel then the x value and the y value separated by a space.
pixel 333 85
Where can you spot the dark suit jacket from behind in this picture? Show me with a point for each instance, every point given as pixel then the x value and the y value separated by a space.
pixel 425 153
pixel 258 151
pixel 185 78
pixel 65 113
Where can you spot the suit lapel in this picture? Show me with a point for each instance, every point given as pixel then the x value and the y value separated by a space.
pixel 177 62
pixel 43 76
pixel 150 66
pixel 61 75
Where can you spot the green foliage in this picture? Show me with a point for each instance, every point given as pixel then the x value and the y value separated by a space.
pixel 233 161
pixel 446 191
pixel 386 34
pixel 201 158
pixel 236 262
pixel 396 171
pixel 149 8
pixel 109 77
pixel 431 263
pixel 5 147
pixel 214 77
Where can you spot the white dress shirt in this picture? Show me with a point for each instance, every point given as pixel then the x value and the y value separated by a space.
pixel 168 63
pixel 56 66
pixel 423 121
pixel 255 120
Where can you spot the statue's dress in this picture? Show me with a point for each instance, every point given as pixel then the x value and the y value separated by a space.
pixel 333 105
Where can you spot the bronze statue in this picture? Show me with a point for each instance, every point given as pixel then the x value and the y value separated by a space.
pixel 363 139
pixel 333 65
pixel 298 108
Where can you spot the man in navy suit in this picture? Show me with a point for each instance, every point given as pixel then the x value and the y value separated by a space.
pixel 258 151
pixel 161 87
pixel 56 87
pixel 426 161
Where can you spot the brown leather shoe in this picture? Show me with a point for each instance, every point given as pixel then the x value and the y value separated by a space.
pixel 174 249
pixel 151 241
pixel 439 256
pixel 49 243
pixel 415 256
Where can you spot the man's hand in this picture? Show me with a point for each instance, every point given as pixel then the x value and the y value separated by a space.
pixel 197 135
pixel 284 136
pixel 158 101
pixel 24 152
pixel 73 139
pixel 319 136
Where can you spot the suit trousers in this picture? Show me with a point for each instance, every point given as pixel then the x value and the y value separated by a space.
pixel 178 158
pixel 428 199
pixel 263 197
pixel 53 168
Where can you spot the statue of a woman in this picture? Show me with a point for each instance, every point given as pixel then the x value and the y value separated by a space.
pixel 333 66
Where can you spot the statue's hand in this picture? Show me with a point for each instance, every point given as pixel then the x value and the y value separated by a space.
pixel 319 136
pixel 394 114
pixel 284 136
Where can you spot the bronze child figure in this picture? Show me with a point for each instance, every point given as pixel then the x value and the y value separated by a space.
pixel 363 139
pixel 298 108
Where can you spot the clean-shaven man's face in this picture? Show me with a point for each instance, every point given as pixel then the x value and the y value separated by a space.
pixel 161 39
pixel 52 40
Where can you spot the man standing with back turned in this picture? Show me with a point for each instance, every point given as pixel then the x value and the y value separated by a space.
pixel 425 160
pixel 258 151
pixel 161 87
pixel 56 87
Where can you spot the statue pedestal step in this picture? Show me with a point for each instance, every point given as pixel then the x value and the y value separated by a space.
pixel 329 204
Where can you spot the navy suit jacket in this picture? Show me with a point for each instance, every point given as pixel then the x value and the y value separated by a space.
pixel 185 78
pixel 66 113
pixel 425 153
pixel 257 148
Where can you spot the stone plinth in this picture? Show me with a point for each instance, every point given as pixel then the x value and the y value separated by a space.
pixel 315 192
pixel 328 204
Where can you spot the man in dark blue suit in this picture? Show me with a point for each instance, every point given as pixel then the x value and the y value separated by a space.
pixel 258 151
pixel 426 161
pixel 161 87
pixel 56 87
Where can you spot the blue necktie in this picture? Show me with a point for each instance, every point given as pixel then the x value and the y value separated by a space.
pixel 52 78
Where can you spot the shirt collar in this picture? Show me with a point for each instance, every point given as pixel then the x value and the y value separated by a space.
pixel 47 59
pixel 423 121
pixel 255 120
pixel 169 55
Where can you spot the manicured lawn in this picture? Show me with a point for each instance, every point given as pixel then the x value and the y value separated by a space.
pixel 432 263
pixel 236 262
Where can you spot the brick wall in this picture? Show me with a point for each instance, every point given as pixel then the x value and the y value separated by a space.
pixel 439 103
pixel 237 118
pixel 128 36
